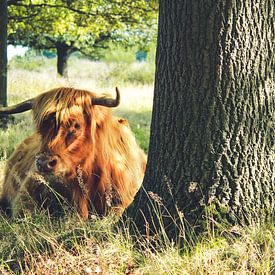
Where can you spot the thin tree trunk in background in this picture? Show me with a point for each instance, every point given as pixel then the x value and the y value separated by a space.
pixel 212 131
pixel 3 52
pixel 63 53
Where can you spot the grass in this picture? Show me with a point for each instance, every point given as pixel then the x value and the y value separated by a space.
pixel 43 245
pixel 40 244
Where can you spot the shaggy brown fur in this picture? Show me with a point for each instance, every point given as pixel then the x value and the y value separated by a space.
pixel 99 162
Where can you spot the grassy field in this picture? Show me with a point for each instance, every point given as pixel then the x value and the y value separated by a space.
pixel 41 244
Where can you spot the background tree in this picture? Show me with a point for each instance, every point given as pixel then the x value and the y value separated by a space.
pixel 70 26
pixel 3 52
pixel 212 131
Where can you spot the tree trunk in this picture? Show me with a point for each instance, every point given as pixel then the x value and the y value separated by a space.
pixel 63 53
pixel 3 52
pixel 212 126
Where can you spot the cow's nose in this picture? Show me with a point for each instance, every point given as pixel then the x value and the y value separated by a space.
pixel 45 163
pixel 52 161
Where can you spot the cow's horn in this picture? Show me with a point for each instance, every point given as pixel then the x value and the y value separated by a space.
pixel 18 108
pixel 108 102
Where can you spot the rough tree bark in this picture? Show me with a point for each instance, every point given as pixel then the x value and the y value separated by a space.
pixel 212 126
pixel 3 52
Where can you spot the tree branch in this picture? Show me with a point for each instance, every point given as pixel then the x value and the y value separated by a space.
pixel 15 3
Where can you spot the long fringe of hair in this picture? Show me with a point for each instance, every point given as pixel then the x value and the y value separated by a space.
pixel 113 147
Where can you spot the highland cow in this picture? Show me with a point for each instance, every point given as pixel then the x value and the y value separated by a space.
pixel 79 152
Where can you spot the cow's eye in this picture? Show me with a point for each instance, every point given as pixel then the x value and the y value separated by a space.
pixel 77 126
pixel 71 136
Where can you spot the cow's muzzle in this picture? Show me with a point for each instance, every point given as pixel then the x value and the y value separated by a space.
pixel 45 162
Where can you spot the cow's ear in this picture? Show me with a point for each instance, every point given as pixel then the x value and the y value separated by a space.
pixel 123 121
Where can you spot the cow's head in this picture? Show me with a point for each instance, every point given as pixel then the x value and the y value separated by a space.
pixel 65 118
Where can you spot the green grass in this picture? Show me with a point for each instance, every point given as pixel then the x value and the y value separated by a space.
pixel 40 244
pixel 43 245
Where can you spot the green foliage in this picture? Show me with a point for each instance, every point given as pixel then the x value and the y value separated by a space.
pixel 81 25
pixel 117 54
pixel 125 54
